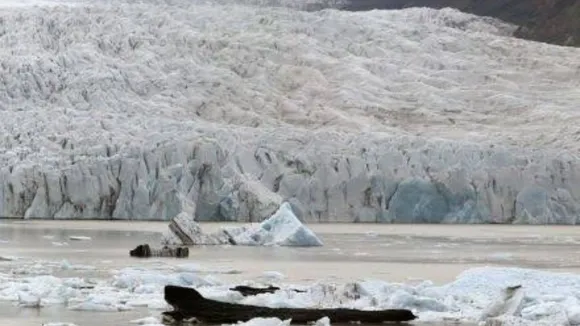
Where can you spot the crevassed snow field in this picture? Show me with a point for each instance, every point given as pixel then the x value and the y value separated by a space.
pixel 132 109
pixel 135 73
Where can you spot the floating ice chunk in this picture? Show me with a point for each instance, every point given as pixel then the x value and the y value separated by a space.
pixel 553 311
pixel 405 300
pixel 153 301
pixel 101 307
pixel 573 313
pixel 101 302
pixel 27 300
pixel 549 297
pixel 195 268
pixel 516 321
pixel 266 322
pixel 272 276
pixel 66 265
pixel 283 229
pixel 361 254
pixel 36 291
pixel 371 234
pixel 324 321
pixel 135 279
pixel 502 256
pixel 8 258
pixel 79 238
pixel 189 267
pixel 150 321
pixel 508 305
pixel 184 230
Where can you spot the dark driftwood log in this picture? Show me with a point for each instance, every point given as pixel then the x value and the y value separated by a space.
pixel 188 303
pixel 250 291
pixel 145 251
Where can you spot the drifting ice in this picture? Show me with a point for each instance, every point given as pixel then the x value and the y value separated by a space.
pixel 487 295
pixel 282 229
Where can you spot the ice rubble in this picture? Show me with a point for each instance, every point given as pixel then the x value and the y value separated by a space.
pixel 265 322
pixel 283 228
pixel 545 298
pixel 149 321
pixel 128 110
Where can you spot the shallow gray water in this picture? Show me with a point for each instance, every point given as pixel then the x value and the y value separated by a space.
pixel 405 253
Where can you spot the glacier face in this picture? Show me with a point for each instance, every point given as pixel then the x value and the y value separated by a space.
pixel 139 110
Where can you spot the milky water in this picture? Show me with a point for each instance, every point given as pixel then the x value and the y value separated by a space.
pixel 398 253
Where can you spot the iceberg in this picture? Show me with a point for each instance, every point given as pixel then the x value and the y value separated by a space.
pixel 283 228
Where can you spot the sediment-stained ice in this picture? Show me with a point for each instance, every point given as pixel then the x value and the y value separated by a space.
pixel 283 228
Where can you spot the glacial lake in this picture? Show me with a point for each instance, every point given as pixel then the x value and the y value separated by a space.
pixel 394 253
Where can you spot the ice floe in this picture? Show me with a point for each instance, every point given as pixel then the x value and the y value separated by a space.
pixel 486 295
pixel 265 322
pixel 79 238
pixel 148 321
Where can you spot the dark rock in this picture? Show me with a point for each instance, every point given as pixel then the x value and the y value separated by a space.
pixel 550 21
pixel 251 291
pixel 145 251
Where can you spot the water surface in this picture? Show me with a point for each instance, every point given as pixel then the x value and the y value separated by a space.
pixel 396 253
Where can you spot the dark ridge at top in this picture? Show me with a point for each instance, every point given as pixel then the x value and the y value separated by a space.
pixel 550 21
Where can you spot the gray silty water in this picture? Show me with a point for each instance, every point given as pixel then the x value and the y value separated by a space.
pixel 347 251
pixel 541 247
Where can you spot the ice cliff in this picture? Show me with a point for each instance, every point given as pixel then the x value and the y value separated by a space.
pixel 145 110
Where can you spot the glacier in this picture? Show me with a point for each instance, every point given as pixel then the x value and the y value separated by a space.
pixel 143 110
